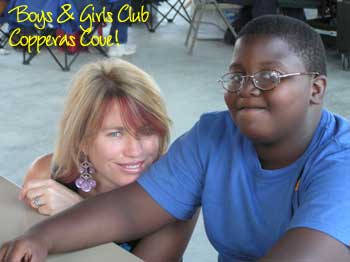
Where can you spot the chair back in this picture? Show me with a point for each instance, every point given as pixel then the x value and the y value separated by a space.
pixel 3 5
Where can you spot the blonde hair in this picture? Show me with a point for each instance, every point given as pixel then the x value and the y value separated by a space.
pixel 93 87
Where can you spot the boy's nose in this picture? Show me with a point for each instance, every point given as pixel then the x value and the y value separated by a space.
pixel 248 88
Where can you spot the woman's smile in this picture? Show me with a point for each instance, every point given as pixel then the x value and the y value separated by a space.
pixel 132 167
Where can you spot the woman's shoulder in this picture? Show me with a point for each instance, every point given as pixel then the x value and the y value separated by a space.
pixel 40 168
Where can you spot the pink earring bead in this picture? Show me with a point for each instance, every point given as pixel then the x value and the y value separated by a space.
pixel 85 185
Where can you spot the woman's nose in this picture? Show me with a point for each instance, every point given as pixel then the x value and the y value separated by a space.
pixel 133 147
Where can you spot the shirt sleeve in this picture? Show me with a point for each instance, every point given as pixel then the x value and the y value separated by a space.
pixel 324 198
pixel 175 182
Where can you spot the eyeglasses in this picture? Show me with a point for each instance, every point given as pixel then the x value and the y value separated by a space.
pixel 263 80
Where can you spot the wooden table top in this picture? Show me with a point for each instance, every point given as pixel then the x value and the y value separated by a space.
pixel 16 217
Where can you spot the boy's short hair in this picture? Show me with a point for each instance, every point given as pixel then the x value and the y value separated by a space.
pixel 304 41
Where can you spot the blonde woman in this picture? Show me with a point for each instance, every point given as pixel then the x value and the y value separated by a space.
pixel 114 126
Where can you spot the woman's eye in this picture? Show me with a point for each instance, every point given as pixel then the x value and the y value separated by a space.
pixel 115 134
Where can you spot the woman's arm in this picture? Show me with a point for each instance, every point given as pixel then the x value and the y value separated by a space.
pixel 168 243
pixel 39 188
pixel 39 169
pixel 119 215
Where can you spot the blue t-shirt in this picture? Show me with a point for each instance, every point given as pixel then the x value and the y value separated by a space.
pixel 246 208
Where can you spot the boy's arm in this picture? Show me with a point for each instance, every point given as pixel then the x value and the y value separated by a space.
pixel 320 227
pixel 305 244
pixel 168 243
pixel 119 215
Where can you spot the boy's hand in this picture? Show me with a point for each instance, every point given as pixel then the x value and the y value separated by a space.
pixel 24 248
pixel 48 196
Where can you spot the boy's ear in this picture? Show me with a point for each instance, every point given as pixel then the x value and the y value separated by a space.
pixel 318 89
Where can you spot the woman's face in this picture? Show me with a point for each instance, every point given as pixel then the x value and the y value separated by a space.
pixel 118 156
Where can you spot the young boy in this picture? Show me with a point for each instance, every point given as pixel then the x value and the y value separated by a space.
pixel 272 173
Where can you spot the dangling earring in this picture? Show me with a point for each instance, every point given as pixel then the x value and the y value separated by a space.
pixel 85 181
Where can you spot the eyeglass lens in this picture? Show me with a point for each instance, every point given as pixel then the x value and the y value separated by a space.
pixel 264 80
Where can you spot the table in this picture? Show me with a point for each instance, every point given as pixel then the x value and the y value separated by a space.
pixel 16 217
